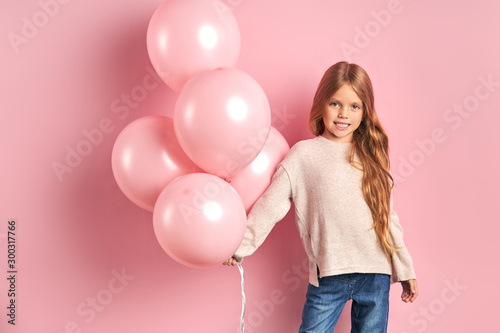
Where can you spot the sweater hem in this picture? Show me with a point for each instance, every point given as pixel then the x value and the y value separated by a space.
pixel 363 269
pixel 348 270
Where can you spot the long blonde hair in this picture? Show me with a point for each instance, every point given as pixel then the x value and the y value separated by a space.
pixel 370 143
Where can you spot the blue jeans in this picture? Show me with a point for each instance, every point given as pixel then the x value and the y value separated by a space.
pixel 370 303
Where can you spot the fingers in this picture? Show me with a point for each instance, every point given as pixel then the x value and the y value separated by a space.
pixel 414 290
pixel 413 297
pixel 409 296
pixel 230 262
pixel 410 291
pixel 406 296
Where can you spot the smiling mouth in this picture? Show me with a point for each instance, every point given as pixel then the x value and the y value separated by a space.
pixel 342 125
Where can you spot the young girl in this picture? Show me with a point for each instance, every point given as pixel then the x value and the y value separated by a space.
pixel 341 186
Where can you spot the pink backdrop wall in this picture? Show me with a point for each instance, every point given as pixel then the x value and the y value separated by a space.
pixel 88 260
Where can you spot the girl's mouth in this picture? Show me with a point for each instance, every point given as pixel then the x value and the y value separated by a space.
pixel 341 126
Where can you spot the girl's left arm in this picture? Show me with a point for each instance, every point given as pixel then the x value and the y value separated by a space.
pixel 401 259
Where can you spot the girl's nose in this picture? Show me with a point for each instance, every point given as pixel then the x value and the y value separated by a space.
pixel 343 112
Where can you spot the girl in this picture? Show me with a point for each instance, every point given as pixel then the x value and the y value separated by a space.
pixel 341 186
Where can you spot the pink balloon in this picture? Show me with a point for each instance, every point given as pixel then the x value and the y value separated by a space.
pixel 146 157
pixel 222 119
pixel 199 220
pixel 186 37
pixel 253 181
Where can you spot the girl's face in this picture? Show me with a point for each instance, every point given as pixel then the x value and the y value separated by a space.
pixel 343 114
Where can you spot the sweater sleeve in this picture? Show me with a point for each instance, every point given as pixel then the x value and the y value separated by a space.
pixel 401 259
pixel 268 210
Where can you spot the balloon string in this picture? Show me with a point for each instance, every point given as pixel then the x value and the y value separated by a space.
pixel 243 299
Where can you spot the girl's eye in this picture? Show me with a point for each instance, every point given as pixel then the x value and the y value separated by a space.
pixel 334 104
pixel 356 107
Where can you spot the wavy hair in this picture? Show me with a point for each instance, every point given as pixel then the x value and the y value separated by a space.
pixel 370 143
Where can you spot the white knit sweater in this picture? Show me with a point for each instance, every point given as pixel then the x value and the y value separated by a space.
pixel 333 219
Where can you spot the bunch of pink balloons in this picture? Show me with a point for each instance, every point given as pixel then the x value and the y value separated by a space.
pixel 200 172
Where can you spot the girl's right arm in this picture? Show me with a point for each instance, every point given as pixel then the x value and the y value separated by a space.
pixel 268 210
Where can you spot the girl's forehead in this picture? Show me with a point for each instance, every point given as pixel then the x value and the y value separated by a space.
pixel 347 94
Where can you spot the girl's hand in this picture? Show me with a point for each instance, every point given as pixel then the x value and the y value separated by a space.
pixel 410 290
pixel 230 262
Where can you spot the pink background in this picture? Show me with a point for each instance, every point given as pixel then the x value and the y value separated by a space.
pixel 76 232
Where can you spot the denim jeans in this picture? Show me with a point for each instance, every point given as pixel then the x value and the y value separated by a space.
pixel 370 303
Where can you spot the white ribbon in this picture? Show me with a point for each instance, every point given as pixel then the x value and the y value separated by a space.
pixel 243 299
